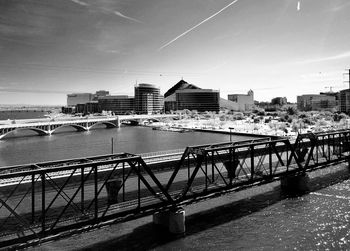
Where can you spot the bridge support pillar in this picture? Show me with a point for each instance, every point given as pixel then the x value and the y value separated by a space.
pixel 172 220
pixel 117 121
pixel 295 184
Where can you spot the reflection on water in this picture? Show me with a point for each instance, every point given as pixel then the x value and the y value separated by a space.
pixel 70 144
pixel 319 220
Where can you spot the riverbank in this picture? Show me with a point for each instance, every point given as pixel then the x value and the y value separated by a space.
pixel 265 126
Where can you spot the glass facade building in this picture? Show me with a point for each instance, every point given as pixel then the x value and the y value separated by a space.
pixel 147 99
pixel 200 100
pixel 79 98
pixel 345 101
pixel 118 104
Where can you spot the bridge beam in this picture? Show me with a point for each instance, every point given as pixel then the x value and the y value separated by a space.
pixel 295 184
pixel 172 220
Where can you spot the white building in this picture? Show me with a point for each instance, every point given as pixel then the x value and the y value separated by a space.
pixel 243 102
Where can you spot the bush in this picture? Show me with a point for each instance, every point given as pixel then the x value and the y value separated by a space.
pixel 291 110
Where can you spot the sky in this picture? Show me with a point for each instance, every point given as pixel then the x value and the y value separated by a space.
pixel 274 47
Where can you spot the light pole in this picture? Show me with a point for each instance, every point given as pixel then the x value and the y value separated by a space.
pixel 231 128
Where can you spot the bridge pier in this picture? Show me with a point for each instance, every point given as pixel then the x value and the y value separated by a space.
pixel 295 184
pixel 117 122
pixel 172 220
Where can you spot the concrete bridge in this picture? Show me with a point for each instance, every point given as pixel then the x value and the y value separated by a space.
pixel 49 126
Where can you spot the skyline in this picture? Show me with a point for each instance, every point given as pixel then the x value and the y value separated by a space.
pixel 276 48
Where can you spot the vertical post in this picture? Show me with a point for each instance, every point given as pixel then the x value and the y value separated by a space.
pixel 252 162
pixel 188 168
pixel 329 148
pixel 212 168
pixel 33 198
pixel 270 159
pixel 82 190
pixel 43 216
pixel 95 191
pixel 339 145
pixel 123 181
pixel 138 186
pixel 206 173
pixel 112 145
pixel 230 134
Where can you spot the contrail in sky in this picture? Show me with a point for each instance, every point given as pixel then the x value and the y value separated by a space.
pixel 80 2
pixel 194 27
pixel 126 17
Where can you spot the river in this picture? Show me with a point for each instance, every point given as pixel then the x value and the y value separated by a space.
pixel 257 219
pixel 26 147
pixel 263 219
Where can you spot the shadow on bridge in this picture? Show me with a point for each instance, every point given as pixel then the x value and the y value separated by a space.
pixel 256 199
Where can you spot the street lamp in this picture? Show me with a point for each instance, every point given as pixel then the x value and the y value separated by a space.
pixel 231 128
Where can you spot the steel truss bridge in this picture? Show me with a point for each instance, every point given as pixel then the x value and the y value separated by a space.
pixel 47 126
pixel 45 199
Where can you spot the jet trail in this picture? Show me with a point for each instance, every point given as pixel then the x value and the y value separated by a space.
pixel 194 27
pixel 126 17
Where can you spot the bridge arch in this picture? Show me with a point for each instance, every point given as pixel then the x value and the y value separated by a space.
pixel 106 123
pixel 131 121
pixel 37 130
pixel 77 127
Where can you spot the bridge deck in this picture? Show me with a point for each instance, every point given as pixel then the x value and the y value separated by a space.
pixel 48 198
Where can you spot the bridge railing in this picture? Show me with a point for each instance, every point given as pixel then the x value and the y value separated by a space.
pixel 43 199
pixel 224 166
pixel 70 194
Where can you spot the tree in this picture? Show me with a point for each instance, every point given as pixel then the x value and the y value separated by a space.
pixel 291 110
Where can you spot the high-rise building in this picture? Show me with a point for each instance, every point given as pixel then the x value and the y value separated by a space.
pixel 147 99
pixel 118 104
pixel 79 98
pixel 344 99
pixel 245 102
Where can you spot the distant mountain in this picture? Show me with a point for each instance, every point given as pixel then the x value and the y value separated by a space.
pixel 181 85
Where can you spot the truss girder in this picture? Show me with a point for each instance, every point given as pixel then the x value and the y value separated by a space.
pixel 47 198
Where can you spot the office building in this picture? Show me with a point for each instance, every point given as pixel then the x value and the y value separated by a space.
pixel 101 93
pixel 316 102
pixel 200 100
pixel 344 100
pixel 147 99
pixel 88 108
pixel 118 104
pixel 187 96
pixel 79 98
pixel 244 102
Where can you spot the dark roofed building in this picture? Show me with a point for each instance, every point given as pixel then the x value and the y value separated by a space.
pixel 181 85
pixel 187 96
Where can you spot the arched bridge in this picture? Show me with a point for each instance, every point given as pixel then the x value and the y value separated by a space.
pixel 47 127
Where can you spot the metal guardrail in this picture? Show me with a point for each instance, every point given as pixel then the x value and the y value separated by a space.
pixel 55 197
